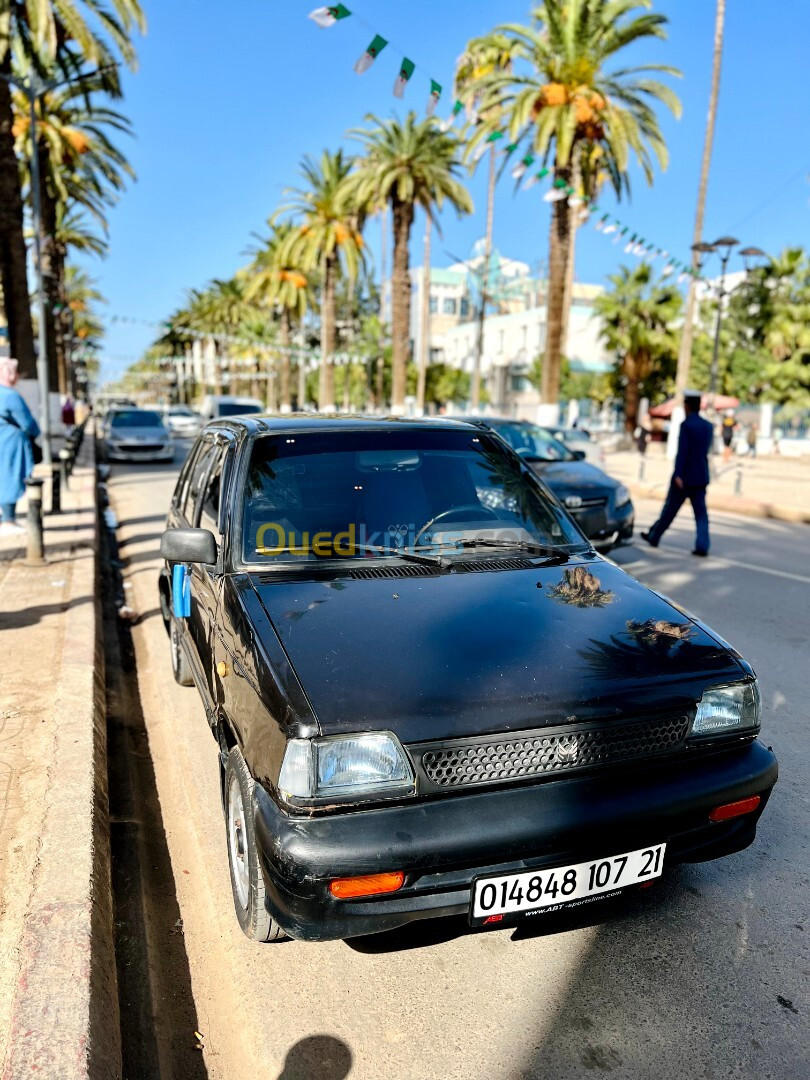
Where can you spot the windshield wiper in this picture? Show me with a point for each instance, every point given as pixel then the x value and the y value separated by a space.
pixel 530 546
pixel 409 556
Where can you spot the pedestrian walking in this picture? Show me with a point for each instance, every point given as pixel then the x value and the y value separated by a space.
pixel 690 477
pixel 18 429
pixel 727 428
pixel 751 439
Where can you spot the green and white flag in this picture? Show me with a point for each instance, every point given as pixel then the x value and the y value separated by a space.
pixel 328 16
pixel 480 150
pixel 522 167
pixel 377 45
pixel 433 100
pixel 405 72
pixel 451 119
pixel 535 179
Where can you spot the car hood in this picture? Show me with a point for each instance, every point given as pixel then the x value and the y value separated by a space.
pixel 484 652
pixel 138 434
pixel 579 476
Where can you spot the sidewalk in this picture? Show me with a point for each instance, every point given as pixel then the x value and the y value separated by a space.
pixel 58 996
pixel 770 487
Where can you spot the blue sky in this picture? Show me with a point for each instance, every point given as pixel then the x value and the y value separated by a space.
pixel 229 96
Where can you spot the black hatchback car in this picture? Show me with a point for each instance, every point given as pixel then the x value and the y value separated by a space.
pixel 430 696
pixel 600 505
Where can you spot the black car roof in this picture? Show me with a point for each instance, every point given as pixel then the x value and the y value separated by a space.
pixel 260 424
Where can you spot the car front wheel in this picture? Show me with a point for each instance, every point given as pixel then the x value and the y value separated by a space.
pixel 181 669
pixel 247 883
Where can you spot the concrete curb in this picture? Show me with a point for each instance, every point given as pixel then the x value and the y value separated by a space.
pixel 733 504
pixel 65 1019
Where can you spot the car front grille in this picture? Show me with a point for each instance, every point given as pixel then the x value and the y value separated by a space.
pixel 523 755
pixel 139 448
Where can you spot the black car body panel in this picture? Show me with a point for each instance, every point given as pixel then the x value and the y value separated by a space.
pixel 488 643
pixel 476 652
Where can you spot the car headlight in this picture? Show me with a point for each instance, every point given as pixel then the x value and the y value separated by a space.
pixel 346 768
pixel 730 708
pixel 622 495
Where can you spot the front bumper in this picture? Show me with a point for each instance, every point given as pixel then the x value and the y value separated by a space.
pixel 442 845
pixel 117 453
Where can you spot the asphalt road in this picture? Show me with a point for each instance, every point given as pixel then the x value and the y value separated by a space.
pixel 705 976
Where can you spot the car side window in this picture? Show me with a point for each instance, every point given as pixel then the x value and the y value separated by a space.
pixel 210 504
pixel 181 488
pixel 197 479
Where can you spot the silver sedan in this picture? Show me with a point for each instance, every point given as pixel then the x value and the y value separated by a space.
pixel 136 435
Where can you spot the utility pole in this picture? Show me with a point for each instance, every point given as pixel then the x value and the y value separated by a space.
pixel 424 330
pixel 475 390
pixel 685 351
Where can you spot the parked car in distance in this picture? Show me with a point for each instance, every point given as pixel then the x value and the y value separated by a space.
pixel 183 421
pixel 579 439
pixel 429 695
pixel 217 406
pixel 600 505
pixel 132 434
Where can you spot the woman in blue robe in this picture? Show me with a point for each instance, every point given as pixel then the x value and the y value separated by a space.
pixel 17 429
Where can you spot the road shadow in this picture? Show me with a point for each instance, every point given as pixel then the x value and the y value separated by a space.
pixel 156 1003
pixel 317 1057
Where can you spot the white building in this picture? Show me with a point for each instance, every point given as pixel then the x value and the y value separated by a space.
pixel 514 334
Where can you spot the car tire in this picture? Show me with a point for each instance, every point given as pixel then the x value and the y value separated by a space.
pixel 247 883
pixel 181 669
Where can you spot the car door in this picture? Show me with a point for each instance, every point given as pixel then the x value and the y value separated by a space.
pixel 206 581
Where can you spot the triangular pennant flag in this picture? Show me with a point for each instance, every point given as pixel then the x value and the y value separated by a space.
pixel 484 146
pixel 405 72
pixel 535 179
pixel 377 45
pixel 523 165
pixel 328 16
pixel 510 149
pixel 451 119
pixel 433 100
pixel 601 223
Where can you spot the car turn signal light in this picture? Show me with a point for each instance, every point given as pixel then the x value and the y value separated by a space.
pixel 371 885
pixel 735 809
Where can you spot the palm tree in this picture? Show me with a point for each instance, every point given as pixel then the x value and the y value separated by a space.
pixel 326 238
pixel 63 35
pixel 78 163
pixel 276 281
pixel 562 94
pixel 408 164
pixel 639 316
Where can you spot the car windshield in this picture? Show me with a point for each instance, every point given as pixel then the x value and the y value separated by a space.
pixel 533 443
pixel 235 408
pixel 181 410
pixel 410 491
pixel 133 418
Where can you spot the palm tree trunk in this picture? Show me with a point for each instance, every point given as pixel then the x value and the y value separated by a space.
pixel 13 269
pixel 559 241
pixel 57 373
pixel 62 321
pixel 326 383
pixel 631 400
pixel 424 329
pixel 475 390
pixel 685 350
pixel 400 303
pixel 284 335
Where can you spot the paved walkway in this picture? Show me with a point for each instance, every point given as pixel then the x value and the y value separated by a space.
pixel 771 486
pixel 49 814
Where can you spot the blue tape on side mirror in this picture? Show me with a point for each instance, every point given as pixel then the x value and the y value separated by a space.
pixel 181 591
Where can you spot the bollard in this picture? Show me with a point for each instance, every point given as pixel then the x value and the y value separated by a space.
pixel 641 467
pixel 56 489
pixel 35 552
pixel 738 481
pixel 64 467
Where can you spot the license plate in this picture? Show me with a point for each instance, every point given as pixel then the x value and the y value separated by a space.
pixel 562 886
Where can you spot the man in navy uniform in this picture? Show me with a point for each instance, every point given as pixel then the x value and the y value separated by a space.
pixel 690 478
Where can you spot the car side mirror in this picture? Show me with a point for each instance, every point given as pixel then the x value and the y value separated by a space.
pixel 188 546
pixel 579 455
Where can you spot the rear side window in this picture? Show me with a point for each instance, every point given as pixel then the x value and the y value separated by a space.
pixel 199 469
pixel 211 497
